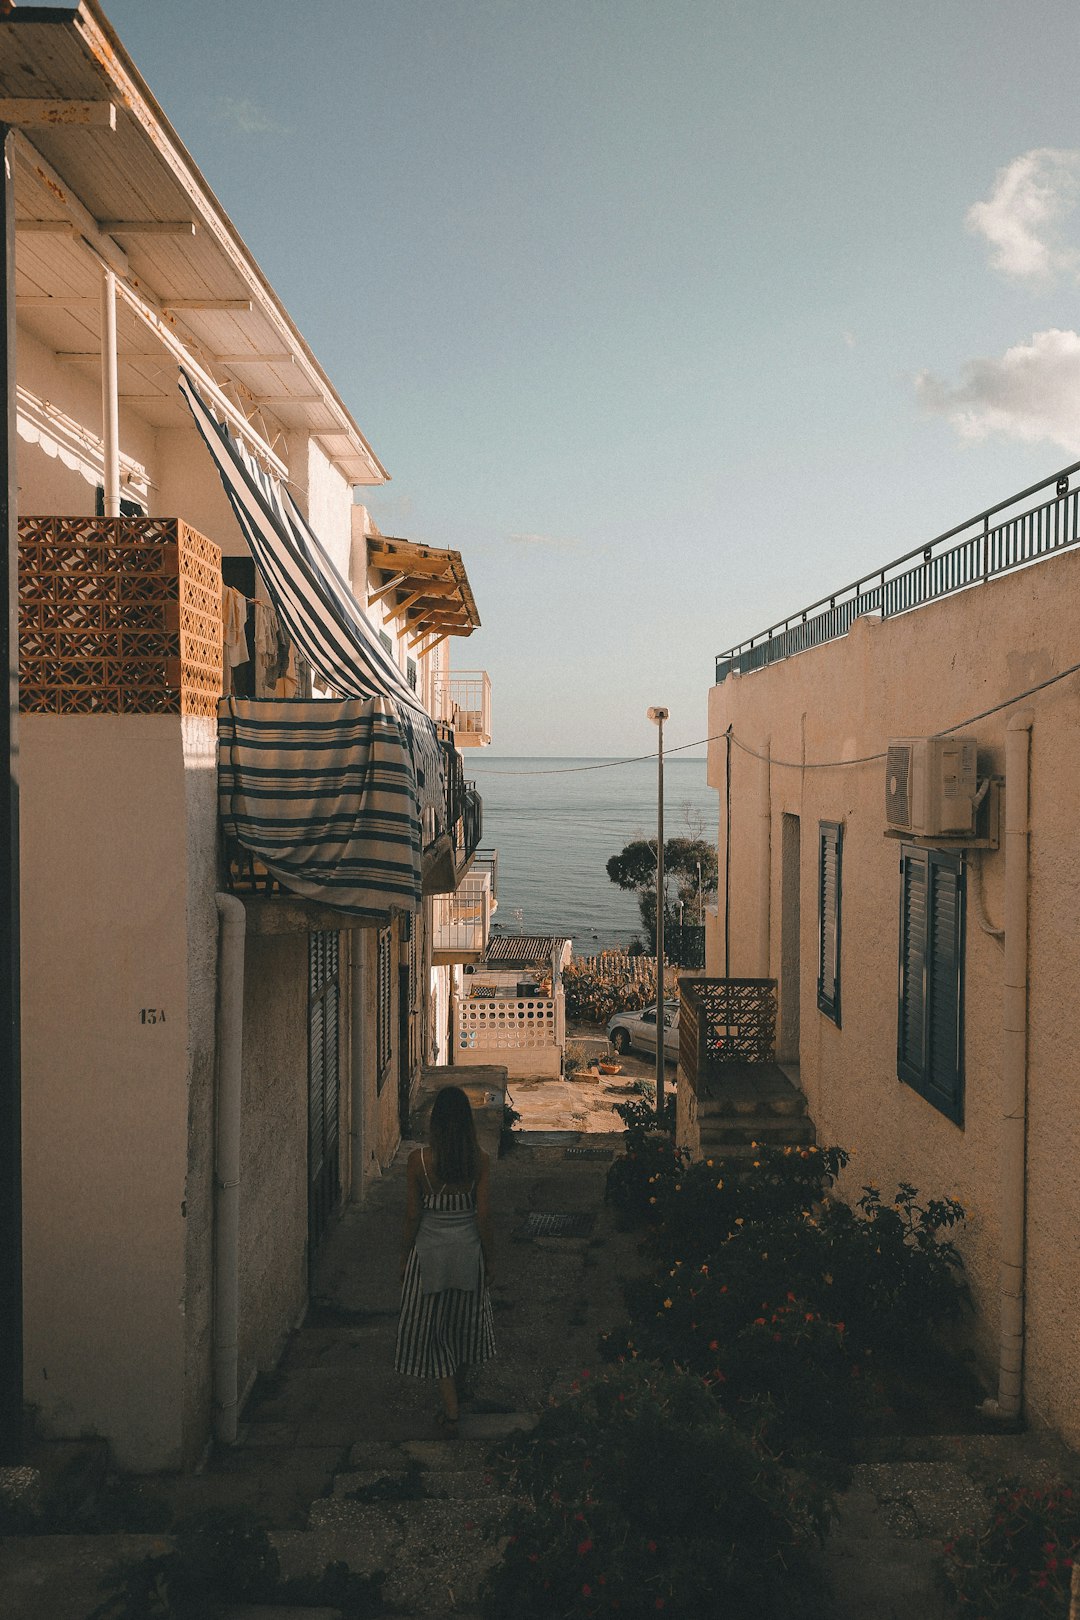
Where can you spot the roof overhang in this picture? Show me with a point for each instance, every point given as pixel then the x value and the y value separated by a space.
pixel 425 588
pixel 103 181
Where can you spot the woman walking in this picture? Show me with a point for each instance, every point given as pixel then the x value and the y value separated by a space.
pixel 446 1322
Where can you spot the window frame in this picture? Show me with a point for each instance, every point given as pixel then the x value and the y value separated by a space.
pixel 828 1001
pixel 943 1092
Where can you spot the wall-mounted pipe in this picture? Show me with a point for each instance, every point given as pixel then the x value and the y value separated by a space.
pixel 357 1025
pixel 1014 1066
pixel 765 861
pixel 230 1056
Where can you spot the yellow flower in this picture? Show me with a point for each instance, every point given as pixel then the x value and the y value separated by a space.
pixel 828 1277
pixel 652 1200
pixel 738 1220
pixel 757 1164
pixel 667 1304
pixel 719 1185
pixel 709 1163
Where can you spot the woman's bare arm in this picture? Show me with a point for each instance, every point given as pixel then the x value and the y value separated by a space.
pixel 483 1215
pixel 413 1207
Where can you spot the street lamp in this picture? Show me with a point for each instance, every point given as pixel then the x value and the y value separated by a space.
pixel 658 716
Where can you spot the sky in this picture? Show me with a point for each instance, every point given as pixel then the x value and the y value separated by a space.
pixel 671 315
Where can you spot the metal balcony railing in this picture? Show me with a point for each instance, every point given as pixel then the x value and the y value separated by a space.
pixel 464 806
pixel 463 702
pixel 461 922
pixel 969 554
pixel 487 860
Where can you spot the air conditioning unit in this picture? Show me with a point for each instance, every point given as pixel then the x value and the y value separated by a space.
pixel 930 785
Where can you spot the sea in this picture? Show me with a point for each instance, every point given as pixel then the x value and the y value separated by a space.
pixel 556 823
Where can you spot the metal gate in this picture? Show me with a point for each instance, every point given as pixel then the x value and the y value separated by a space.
pixel 324 995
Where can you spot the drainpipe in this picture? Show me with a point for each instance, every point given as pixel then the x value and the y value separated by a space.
pixel 1014 1066
pixel 230 1046
pixel 765 859
pixel 356 1064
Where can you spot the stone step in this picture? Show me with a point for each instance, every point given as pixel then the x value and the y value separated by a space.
pixel 782 1104
pixel 720 1134
pixel 434 1553
pixel 412 1484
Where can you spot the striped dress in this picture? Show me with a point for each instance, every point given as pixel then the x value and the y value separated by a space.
pixel 438 1333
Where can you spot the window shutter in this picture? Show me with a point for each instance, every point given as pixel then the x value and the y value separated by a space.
pixel 943 973
pixel 929 1028
pixel 830 843
pixel 383 1006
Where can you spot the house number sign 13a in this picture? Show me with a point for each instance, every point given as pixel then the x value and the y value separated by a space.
pixel 152 1015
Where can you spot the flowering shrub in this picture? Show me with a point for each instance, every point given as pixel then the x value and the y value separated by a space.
pixel 797 1315
pixel 696 1211
pixel 642 1498
pixel 1020 1565
pixel 649 1160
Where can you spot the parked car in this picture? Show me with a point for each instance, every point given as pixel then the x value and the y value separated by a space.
pixel 638 1029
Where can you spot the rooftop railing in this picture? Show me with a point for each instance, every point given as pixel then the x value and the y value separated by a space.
pixel 968 554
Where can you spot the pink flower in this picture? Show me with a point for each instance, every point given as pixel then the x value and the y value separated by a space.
pixel 584 1547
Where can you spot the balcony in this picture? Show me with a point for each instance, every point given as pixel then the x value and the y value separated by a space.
pixel 118 616
pixel 448 859
pixel 461 922
pixel 463 702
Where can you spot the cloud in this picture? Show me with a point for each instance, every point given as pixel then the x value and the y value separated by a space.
pixel 246 117
pixel 1032 198
pixel 552 541
pixel 1032 393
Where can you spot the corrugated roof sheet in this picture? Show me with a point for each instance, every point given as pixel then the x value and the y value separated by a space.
pixel 522 950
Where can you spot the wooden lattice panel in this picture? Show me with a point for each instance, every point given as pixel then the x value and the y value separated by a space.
pixel 118 616
pixel 727 1021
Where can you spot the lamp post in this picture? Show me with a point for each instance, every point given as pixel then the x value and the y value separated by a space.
pixel 658 716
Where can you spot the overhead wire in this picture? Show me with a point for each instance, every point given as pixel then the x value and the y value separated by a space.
pixel 788 764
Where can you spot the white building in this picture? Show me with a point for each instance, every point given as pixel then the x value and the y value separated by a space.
pixel 142 1016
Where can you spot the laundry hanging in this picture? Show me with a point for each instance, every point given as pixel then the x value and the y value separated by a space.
pixel 323 795
pixel 315 603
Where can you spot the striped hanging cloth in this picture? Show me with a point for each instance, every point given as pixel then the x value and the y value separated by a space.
pixel 315 603
pixel 324 794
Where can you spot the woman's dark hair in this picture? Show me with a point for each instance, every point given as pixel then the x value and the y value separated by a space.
pixel 455 1150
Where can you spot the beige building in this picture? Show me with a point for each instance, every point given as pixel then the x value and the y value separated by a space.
pixel 211 1064
pixel 898 773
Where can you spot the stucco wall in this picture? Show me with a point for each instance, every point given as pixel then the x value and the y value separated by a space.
pixel 199 741
pixel 105 1103
pixel 189 487
pixel 274 1153
pixel 909 677
pixel 59 449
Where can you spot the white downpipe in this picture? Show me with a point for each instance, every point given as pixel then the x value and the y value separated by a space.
pixel 356 1065
pixel 230 1054
pixel 110 405
pixel 765 861
pixel 1014 1066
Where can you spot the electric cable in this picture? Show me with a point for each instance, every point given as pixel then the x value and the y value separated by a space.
pixel 786 764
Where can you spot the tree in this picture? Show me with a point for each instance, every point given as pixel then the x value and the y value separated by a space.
pixel 690 879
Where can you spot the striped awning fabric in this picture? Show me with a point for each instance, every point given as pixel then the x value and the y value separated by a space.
pixel 314 602
pixel 324 793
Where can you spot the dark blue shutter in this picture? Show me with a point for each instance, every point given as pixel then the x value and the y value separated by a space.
pixel 943 981
pixel 929 1030
pixel 830 841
